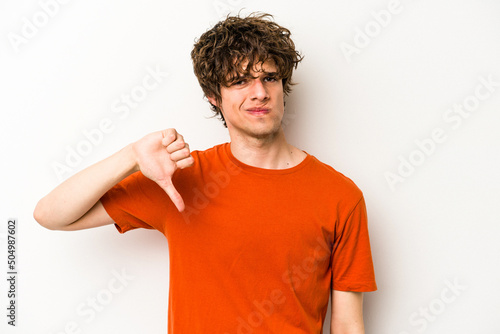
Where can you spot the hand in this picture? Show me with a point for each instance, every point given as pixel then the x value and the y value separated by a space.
pixel 158 155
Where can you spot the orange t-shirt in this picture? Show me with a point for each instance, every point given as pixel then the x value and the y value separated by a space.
pixel 256 250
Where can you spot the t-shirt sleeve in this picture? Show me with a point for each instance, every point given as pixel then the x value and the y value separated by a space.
pixel 351 259
pixel 137 202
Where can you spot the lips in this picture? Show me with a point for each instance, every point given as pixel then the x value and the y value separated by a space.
pixel 258 111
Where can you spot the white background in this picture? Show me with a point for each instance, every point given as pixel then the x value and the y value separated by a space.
pixel 360 113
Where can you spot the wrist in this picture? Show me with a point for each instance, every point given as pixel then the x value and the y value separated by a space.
pixel 128 160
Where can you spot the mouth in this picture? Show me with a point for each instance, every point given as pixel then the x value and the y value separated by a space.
pixel 258 111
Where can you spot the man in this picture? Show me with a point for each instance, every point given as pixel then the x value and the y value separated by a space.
pixel 259 231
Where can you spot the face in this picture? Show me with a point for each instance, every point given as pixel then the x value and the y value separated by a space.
pixel 253 106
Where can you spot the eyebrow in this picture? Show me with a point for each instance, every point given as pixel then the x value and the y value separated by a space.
pixel 268 74
pixel 242 76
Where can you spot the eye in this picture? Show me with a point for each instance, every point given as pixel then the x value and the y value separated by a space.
pixel 239 82
pixel 270 79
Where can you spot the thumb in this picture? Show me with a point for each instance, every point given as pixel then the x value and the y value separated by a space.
pixel 174 195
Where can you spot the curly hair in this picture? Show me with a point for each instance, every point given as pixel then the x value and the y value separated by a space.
pixel 219 54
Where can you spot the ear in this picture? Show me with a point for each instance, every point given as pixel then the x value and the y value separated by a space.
pixel 211 99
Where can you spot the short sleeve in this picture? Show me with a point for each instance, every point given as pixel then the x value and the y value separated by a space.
pixel 137 202
pixel 351 259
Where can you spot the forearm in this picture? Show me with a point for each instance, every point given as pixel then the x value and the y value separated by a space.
pixel 347 313
pixel 347 329
pixel 76 195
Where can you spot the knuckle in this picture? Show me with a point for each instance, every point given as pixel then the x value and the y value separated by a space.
pixel 171 133
pixel 185 152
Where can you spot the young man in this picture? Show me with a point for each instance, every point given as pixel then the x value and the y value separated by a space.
pixel 259 231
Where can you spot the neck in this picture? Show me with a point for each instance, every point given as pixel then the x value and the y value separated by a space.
pixel 270 152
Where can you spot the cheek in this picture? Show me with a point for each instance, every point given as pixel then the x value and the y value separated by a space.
pixel 224 105
pixel 233 101
pixel 229 107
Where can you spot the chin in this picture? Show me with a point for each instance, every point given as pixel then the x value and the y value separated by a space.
pixel 269 132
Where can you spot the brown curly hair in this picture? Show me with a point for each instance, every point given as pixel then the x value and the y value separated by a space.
pixel 219 53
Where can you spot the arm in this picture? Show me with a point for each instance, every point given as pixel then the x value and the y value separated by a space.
pixel 74 204
pixel 347 313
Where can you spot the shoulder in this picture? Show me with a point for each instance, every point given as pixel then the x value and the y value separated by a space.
pixel 205 160
pixel 209 159
pixel 215 152
pixel 334 182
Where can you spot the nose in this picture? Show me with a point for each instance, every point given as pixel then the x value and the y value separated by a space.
pixel 258 90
